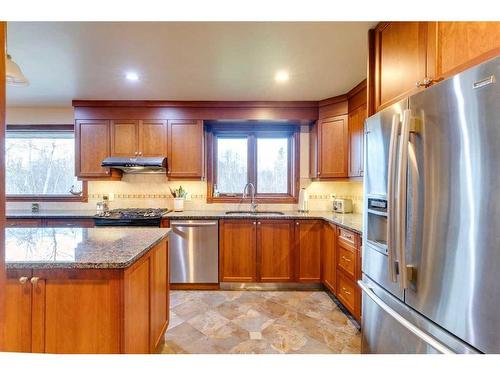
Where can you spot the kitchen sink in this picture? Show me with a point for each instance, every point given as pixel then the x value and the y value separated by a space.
pixel 251 213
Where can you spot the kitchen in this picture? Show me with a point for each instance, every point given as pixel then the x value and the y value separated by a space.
pixel 290 222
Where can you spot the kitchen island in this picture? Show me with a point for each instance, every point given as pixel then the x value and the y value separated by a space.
pixel 79 290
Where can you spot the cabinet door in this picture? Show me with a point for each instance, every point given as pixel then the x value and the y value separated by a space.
pixel 275 250
pixel 153 138
pixel 308 247
pixel 400 60
pixel 124 138
pixel 159 294
pixel 76 311
pixel 17 327
pixel 92 147
pixel 185 149
pixel 356 131
pixel 328 257
pixel 237 251
pixel 333 147
pixel 456 46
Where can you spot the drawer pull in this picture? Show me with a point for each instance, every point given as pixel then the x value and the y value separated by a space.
pixel 346 259
pixel 346 291
pixel 34 280
pixel 23 279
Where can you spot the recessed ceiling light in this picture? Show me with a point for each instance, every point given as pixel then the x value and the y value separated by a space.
pixel 132 76
pixel 281 76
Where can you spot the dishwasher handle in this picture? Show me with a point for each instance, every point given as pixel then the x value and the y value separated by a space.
pixel 187 224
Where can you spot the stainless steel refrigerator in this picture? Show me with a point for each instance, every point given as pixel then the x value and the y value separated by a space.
pixel 431 246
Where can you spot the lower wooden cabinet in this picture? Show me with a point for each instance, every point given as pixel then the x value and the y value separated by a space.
pixel 237 250
pixel 275 250
pixel 308 249
pixel 328 261
pixel 90 311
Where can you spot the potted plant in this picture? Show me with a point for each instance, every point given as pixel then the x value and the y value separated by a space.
pixel 179 196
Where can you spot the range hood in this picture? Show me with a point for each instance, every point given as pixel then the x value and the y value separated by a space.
pixel 137 165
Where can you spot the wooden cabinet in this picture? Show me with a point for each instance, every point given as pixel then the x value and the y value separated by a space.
pixel 456 46
pixel 308 250
pixel 124 138
pixel 348 265
pixel 89 311
pixel 237 250
pixel 328 260
pixel 329 144
pixel 17 330
pixel 153 138
pixel 92 139
pixel 131 138
pixel 410 56
pixel 185 149
pixel 400 60
pixel 356 137
pixel 275 250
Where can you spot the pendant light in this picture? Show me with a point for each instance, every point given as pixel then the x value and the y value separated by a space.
pixel 13 74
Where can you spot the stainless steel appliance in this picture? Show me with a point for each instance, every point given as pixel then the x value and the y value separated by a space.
pixel 139 217
pixel 194 251
pixel 431 250
pixel 342 205
pixel 138 164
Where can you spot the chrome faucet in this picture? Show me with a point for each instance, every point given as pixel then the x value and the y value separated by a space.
pixel 252 195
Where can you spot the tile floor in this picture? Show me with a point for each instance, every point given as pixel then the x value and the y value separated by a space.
pixel 258 322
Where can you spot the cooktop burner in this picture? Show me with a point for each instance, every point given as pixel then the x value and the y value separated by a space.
pixel 133 213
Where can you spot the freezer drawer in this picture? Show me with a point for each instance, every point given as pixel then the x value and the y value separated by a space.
pixel 194 251
pixel 390 327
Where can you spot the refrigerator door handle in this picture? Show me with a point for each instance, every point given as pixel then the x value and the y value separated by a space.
pixel 402 178
pixel 405 323
pixel 391 212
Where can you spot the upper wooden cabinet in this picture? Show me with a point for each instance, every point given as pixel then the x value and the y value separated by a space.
pixel 400 60
pixel 185 149
pixel 153 138
pixel 456 46
pixel 92 139
pixel 330 147
pixel 131 138
pixel 357 115
pixel 410 56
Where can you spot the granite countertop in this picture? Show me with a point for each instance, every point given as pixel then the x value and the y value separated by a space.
pixel 349 221
pixel 53 214
pixel 64 248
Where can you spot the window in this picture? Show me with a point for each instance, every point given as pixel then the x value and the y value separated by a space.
pixel 263 154
pixel 40 164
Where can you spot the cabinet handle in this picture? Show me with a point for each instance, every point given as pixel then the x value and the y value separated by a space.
pixel 34 280
pixel 136 153
pixel 345 291
pixel 426 82
pixel 297 223
pixel 258 223
pixel 254 223
pixel 23 279
pixel 140 153
pixel 346 259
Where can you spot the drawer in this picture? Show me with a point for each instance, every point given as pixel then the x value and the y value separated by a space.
pixel 69 223
pixel 347 237
pixel 347 261
pixel 346 292
pixel 23 223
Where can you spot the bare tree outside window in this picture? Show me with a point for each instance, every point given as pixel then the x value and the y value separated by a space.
pixel 40 163
pixel 231 165
pixel 272 162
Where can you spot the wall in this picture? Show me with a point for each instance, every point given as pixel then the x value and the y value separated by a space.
pixel 153 190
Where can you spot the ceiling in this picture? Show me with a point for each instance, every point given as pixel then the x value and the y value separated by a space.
pixel 185 60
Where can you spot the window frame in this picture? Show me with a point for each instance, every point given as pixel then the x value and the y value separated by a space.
pixel 252 132
pixel 46 198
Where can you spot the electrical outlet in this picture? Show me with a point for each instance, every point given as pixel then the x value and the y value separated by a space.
pixel 332 196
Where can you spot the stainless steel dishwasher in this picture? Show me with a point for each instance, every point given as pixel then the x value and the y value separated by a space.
pixel 194 251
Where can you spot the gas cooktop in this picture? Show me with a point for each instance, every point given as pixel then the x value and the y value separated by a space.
pixel 131 216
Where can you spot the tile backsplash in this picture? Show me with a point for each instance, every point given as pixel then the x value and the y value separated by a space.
pixel 153 191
